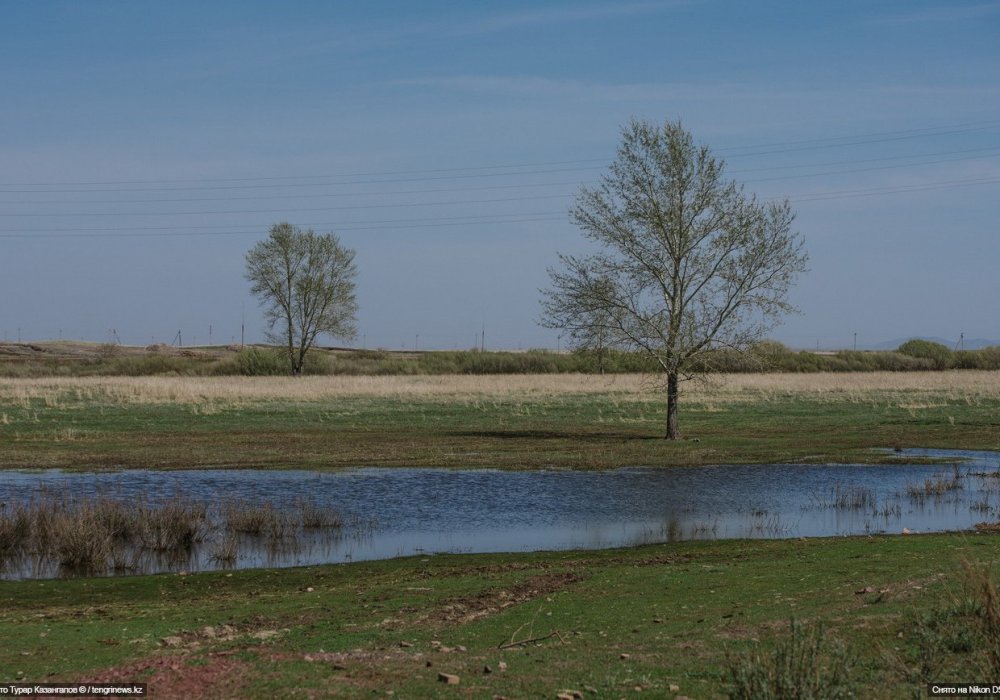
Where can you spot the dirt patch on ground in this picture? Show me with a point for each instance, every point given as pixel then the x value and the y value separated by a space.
pixel 216 675
pixel 370 670
pixel 742 631
pixel 871 595
pixel 661 560
pixel 458 611
pixel 256 629
pixel 493 569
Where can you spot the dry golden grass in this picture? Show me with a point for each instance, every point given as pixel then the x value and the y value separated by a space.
pixel 922 389
pixel 862 385
pixel 236 390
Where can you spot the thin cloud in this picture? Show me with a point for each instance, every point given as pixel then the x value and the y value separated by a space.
pixel 945 13
pixel 540 87
pixel 560 15
pixel 231 52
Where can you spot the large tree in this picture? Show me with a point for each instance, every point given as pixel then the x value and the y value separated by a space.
pixel 687 263
pixel 306 283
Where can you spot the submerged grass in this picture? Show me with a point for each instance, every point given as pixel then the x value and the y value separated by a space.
pixel 936 486
pixel 82 536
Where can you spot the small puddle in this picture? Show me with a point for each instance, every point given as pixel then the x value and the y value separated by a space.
pixel 389 512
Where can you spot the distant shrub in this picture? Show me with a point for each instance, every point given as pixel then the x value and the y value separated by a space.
pixel 984 358
pixel 316 362
pixel 369 354
pixel 252 361
pixel 927 350
pixel 860 361
pixel 147 365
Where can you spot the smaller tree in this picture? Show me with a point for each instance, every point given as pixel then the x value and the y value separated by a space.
pixel 593 329
pixel 306 283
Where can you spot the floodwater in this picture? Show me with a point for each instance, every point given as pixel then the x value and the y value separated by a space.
pixel 400 512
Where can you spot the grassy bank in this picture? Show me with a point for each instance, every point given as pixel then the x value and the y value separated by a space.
pixel 619 623
pixel 515 421
pixel 79 359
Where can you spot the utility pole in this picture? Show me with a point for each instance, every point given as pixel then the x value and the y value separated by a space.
pixel 210 334
pixel 855 341
pixel 243 325
pixel 483 347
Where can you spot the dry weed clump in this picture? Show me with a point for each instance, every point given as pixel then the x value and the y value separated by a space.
pixel 95 535
pixel 807 664
pixel 959 638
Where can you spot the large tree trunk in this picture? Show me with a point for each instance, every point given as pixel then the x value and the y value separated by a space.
pixel 296 369
pixel 672 392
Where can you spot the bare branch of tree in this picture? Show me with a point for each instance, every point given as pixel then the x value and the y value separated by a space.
pixel 689 262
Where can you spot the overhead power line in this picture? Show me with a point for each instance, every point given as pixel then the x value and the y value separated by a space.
pixel 783 146
pixel 558 216
pixel 870 169
pixel 285 209
pixel 334 224
pixel 986 152
pixel 991 150
pixel 471 220
pixel 307 177
pixel 861 139
pixel 340 182
pixel 877 191
pixel 298 196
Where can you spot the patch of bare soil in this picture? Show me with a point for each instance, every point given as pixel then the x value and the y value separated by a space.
pixel 463 609
pixel 216 675
pixel 491 569
pixel 362 669
pixel 870 595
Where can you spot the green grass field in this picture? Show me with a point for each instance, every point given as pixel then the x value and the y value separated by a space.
pixel 656 621
pixel 620 623
pixel 508 421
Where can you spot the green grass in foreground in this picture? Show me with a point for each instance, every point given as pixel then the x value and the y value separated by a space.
pixel 630 623
pixel 568 430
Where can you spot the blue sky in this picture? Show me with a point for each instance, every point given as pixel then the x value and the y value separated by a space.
pixel 144 147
